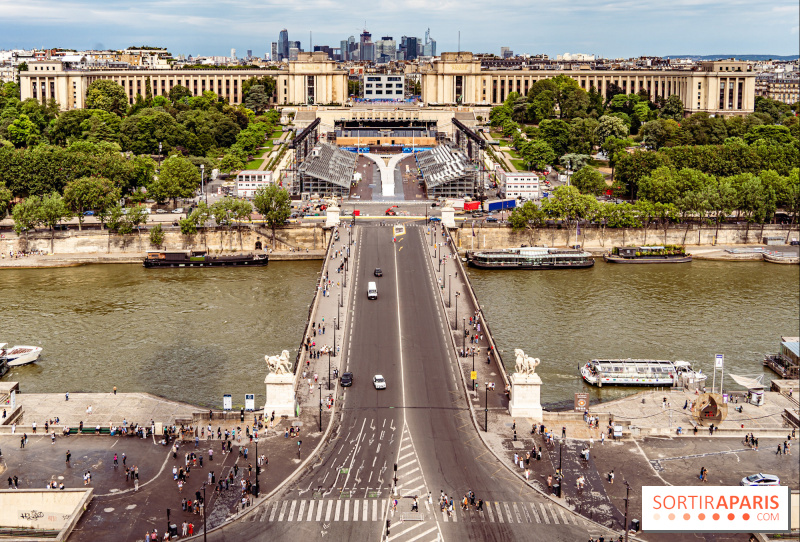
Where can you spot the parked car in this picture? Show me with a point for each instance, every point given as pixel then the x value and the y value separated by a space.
pixel 379 382
pixel 491 219
pixel 178 211
pixel 61 227
pixel 435 219
pixel 477 214
pixel 760 480
pixel 161 211
pixel 88 213
pixel 346 380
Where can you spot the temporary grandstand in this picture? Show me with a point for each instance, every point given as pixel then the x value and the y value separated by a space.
pixel 328 171
pixel 447 173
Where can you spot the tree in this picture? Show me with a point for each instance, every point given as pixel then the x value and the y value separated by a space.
pixel 26 215
pixel 542 107
pixel 156 235
pixel 107 95
pixel 557 134
pixel 137 216
pixel 178 178
pixel 589 181
pixel 722 201
pixel 771 133
pixel 274 204
pixel 257 100
pixel 52 210
pixel 672 109
pixel 89 193
pixel 23 132
pixel 565 202
pixel 610 127
pixel 266 81
pixel 582 135
pixel 529 217
pixel 537 154
pixel 5 200
pixel 574 161
pixel 178 93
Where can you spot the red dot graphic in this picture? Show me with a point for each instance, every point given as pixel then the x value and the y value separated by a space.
pixel 687 516
pixel 745 516
pixel 671 516
pixel 701 516
pixel 715 516
pixel 731 516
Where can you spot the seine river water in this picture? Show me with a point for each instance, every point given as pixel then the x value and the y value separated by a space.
pixel 194 335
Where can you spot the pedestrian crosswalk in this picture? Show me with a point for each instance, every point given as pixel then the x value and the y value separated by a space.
pixel 375 510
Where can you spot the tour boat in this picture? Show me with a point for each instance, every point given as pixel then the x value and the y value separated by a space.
pixel 640 372
pixel 202 259
pixel 530 258
pixel 648 254
pixel 19 355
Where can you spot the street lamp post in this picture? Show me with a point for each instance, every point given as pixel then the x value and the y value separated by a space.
pixel 205 504
pixel 168 519
pixel 455 322
pixel 202 181
pixel 159 156
pixel 320 404
pixel 335 327
pixel 486 410
pixel 329 374
pixel 474 382
pixel 258 467
pixel 449 289
pixel 464 337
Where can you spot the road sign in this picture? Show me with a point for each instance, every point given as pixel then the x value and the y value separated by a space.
pixel 473 375
pixel 249 401
pixel 581 402
pixel 719 361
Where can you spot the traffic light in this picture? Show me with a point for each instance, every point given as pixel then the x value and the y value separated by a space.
pixel 388 524
pixel 395 467
pixel 241 415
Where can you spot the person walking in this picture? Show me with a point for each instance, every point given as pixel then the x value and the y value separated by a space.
pixel 68 456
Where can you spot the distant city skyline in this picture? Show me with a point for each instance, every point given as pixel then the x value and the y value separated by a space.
pixel 608 28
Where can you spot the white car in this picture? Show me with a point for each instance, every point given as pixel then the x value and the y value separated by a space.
pixel 760 480
pixel 177 211
pixel 379 382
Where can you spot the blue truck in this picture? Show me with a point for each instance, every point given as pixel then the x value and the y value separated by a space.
pixel 502 204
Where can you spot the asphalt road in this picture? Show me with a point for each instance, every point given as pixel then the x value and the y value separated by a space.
pixel 421 422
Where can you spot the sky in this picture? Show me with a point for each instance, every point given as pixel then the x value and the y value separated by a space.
pixel 609 28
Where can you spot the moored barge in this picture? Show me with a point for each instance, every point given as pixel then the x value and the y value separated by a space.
pixel 203 259
pixel 530 258
pixel 648 254
pixel 640 372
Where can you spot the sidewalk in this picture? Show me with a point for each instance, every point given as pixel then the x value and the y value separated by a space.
pixel 332 311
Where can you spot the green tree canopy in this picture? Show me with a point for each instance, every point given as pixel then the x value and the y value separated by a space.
pixel 107 95
pixel 588 180
pixel 274 204
pixel 178 178
pixel 90 193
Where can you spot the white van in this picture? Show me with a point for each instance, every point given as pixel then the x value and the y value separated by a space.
pixel 372 290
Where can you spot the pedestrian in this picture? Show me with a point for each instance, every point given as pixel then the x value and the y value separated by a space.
pixel 780 449
pixel 611 477
pixel 68 455
pixel 136 484
pixel 66 396
pixel 115 390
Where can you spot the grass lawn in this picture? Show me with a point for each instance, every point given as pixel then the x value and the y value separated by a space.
pixel 512 153
pixel 496 135
pixel 254 164
pixel 276 134
pixel 519 164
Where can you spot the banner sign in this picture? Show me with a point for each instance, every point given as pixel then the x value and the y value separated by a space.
pixel 719 361
pixel 249 401
pixel 227 402
pixel 581 402
pixel 717 509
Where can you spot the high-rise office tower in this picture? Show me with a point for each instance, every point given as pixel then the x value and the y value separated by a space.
pixel 233 55
pixel 274 54
pixel 283 44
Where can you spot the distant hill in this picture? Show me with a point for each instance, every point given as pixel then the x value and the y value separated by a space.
pixel 738 57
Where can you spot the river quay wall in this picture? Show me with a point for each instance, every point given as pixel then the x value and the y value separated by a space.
pixel 295 238
pixel 479 235
pixel 311 240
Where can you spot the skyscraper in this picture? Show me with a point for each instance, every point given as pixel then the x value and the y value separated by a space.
pixel 344 51
pixel 233 55
pixel 366 47
pixel 283 44
pixel 385 49
pixel 274 55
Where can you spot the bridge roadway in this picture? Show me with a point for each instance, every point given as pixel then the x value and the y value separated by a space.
pixel 421 422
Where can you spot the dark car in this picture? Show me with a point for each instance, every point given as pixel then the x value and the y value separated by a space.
pixel 378 272
pixel 477 214
pixel 491 219
pixel 346 380
pixel 435 219
pixel 62 227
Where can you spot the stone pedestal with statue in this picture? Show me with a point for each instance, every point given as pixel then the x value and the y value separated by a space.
pixel 525 388
pixel 332 216
pixel 279 383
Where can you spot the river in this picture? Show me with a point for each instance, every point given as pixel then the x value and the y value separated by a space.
pixel 671 311
pixel 196 334
pixel 186 334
